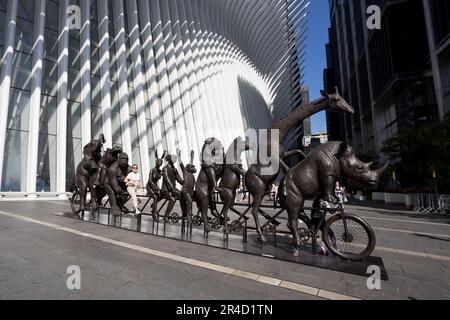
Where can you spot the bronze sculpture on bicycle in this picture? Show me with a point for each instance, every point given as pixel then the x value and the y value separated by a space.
pixel 88 168
pixel 169 189
pixel 212 159
pixel 153 190
pixel 315 178
pixel 115 185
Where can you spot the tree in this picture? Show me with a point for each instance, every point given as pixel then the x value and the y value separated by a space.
pixel 425 155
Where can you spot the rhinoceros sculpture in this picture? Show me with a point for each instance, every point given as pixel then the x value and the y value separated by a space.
pixel 316 176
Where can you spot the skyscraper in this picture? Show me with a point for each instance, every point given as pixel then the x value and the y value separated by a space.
pixel 396 78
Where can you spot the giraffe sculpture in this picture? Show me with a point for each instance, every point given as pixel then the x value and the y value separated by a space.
pixel 258 183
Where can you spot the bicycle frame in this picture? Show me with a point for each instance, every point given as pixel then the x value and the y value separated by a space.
pixel 314 228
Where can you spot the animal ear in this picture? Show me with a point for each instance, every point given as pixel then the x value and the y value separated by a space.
pixel 336 90
pixel 164 155
pixel 342 148
pixel 192 157
pixel 323 93
pixel 156 154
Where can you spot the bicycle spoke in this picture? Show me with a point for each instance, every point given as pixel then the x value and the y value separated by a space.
pixel 354 242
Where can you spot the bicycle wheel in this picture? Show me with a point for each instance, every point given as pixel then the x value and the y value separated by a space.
pixel 75 202
pixel 355 244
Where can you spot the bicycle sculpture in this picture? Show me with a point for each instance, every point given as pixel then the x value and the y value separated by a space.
pixel 212 159
pixel 257 183
pixel 169 189
pixel 115 185
pixel 346 235
pixel 153 190
pixel 231 177
pixel 187 191
pixel 87 170
pixel 98 192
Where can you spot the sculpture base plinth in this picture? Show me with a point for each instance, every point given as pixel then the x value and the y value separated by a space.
pixel 281 249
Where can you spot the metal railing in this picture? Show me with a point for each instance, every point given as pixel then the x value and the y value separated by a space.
pixel 431 203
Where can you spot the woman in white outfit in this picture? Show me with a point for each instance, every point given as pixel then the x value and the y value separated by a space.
pixel 133 181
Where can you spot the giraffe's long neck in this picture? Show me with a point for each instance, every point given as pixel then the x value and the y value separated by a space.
pixel 298 115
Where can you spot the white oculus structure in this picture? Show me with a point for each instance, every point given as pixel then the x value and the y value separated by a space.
pixel 149 74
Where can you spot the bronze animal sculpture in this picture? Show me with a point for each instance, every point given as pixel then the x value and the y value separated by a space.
pixel 153 190
pixel 212 156
pixel 211 171
pixel 99 191
pixel 169 191
pixel 115 185
pixel 315 177
pixel 187 191
pixel 231 177
pixel 110 156
pixel 88 167
pixel 258 183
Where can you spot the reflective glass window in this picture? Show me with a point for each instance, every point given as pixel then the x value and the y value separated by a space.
pixel 46 169
pixel 19 110
pixel 21 78
pixel 15 161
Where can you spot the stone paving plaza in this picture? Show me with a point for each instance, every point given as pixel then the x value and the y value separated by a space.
pixel 37 246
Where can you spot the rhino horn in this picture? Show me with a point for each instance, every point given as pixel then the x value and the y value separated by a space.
pixel 368 165
pixel 379 172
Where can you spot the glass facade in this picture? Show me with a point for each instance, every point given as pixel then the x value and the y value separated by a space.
pixel 385 74
pixel 173 85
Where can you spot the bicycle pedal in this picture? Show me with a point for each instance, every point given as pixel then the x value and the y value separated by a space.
pixel 275 223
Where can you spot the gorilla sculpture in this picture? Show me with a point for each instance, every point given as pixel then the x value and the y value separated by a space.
pixel 115 185
pixel 315 177
pixel 99 191
pixel 110 156
pixel 88 167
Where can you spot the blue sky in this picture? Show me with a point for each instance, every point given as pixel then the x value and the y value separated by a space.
pixel 319 23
